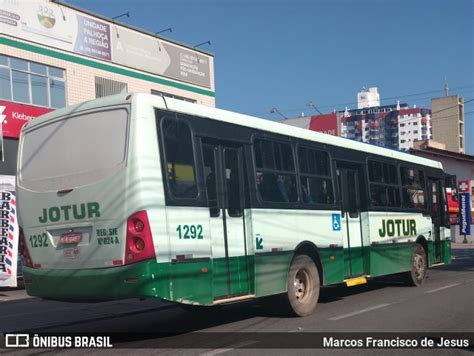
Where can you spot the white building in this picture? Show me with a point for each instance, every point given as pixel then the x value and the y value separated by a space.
pixel 413 125
pixel 368 98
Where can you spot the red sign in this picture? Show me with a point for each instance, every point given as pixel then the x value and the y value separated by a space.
pixel 463 186
pixel 13 116
pixel 326 123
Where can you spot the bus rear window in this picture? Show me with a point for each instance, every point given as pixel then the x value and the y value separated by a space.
pixel 74 151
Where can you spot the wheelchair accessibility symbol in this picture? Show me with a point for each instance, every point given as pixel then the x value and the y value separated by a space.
pixel 336 222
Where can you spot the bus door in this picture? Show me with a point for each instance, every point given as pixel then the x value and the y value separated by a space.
pixel 224 174
pixel 435 200
pixel 350 184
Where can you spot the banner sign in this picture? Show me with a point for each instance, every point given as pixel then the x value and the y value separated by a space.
pixel 93 38
pixel 464 208
pixel 59 26
pixel 13 116
pixel 8 233
pixel 326 123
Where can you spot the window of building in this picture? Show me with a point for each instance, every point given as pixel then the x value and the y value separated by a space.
pixel 275 171
pixel 413 184
pixel 315 176
pixel 31 83
pixel 384 187
pixel 179 155
pixel 460 142
pixel 106 87
pixel 168 95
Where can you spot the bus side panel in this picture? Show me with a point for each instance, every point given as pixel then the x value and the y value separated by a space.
pixel 393 237
pixel 446 250
pixel 445 240
pixel 334 266
pixel 190 255
pixel 276 234
pixel 388 258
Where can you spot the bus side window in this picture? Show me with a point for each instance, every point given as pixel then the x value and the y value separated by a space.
pixel 210 174
pixel 315 176
pixel 384 187
pixel 179 156
pixel 275 171
pixel 413 184
pixel 434 198
pixel 232 182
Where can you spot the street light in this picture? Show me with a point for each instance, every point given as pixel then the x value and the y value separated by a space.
pixel 275 110
pixel 311 105
pixel 165 30
pixel 125 14
pixel 203 43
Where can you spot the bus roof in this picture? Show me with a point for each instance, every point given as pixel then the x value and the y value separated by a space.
pixel 237 119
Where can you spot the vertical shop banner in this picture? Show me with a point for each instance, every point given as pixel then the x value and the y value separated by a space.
pixel 464 208
pixel 9 233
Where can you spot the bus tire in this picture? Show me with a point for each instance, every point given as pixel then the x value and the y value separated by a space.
pixel 419 267
pixel 303 286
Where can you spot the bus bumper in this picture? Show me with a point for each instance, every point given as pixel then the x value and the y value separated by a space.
pixel 100 284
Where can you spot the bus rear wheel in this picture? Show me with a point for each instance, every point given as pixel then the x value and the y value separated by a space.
pixel 416 276
pixel 303 286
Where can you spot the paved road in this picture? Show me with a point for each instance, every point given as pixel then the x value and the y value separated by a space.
pixel 443 304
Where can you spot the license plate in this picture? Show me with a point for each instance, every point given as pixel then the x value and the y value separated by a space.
pixel 70 238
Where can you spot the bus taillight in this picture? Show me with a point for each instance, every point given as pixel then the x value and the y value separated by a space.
pixel 28 262
pixel 139 242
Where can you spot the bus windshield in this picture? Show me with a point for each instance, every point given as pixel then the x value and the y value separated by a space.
pixel 74 150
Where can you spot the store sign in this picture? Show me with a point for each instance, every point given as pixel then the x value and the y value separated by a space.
pixel 13 116
pixel 464 208
pixel 8 233
pixel 326 123
pixel 61 27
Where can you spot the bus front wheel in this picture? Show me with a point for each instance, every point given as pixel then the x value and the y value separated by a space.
pixel 416 276
pixel 303 286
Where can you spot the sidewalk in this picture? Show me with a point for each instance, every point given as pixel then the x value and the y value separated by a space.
pixel 10 294
pixel 462 246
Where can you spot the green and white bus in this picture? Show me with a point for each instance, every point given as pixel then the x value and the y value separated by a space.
pixel 137 195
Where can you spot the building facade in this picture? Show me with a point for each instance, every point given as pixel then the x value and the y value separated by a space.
pixel 391 126
pixel 53 54
pixel 448 122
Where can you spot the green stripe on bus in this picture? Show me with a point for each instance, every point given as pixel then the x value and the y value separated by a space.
pixel 199 282
pixel 102 66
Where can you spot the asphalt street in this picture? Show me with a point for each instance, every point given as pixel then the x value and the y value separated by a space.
pixel 444 304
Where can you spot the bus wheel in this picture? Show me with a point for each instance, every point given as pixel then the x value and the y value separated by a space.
pixel 303 286
pixel 416 276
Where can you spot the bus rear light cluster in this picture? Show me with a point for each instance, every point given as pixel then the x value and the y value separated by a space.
pixel 28 262
pixel 139 241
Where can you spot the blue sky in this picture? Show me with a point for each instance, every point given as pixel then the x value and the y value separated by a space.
pixel 285 53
